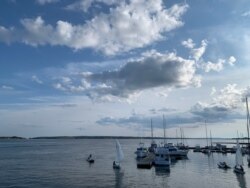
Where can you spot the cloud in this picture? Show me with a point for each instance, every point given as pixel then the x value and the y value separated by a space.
pixel 225 106
pixel 219 65
pixel 171 120
pixel 196 53
pixel 209 66
pixel 127 26
pixel 188 43
pixel 246 14
pixel 43 2
pixel 152 70
pixel 231 60
pixel 84 5
pixel 213 91
pixel 7 87
pixel 34 78
pixel 155 111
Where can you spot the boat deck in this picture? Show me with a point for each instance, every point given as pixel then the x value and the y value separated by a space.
pixel 146 162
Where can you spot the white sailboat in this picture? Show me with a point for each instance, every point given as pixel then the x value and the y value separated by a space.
pixel 119 156
pixel 238 160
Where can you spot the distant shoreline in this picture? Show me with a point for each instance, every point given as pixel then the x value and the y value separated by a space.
pixel 97 137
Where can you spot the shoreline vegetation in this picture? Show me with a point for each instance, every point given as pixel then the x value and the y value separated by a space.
pixel 99 137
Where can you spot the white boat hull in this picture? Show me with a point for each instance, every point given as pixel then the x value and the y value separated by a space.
pixel 238 170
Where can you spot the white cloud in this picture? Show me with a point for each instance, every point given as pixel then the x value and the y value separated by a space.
pixel 34 78
pixel 7 87
pixel 209 66
pixel 213 91
pixel 196 53
pixel 231 60
pixel 219 65
pixel 246 14
pixel 43 2
pixel 188 43
pixel 127 26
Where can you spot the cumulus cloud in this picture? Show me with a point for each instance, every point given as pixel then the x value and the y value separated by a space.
pixel 196 53
pixel 151 71
pixel 127 26
pixel 219 65
pixel 209 66
pixel 188 43
pixel 226 105
pixel 231 60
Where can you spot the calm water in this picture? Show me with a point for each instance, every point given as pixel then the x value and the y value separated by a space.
pixel 61 163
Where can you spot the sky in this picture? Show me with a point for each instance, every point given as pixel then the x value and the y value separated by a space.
pixel 107 67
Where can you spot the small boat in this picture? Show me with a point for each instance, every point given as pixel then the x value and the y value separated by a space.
pixel 90 159
pixel 223 165
pixel 141 151
pixel 162 157
pixel 239 161
pixel 119 156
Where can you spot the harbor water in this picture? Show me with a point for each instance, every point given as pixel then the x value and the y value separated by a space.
pixel 62 163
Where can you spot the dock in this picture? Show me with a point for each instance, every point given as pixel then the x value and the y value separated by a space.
pixel 146 162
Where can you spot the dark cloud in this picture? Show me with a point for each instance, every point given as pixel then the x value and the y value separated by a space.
pixel 215 112
pixel 64 105
pixel 151 71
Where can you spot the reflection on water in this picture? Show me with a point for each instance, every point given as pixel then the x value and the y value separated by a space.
pixel 162 171
pixel 241 180
pixel 118 178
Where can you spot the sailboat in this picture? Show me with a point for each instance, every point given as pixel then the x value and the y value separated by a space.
pixel 153 145
pixel 238 160
pixel 119 156
pixel 141 151
pixel 207 149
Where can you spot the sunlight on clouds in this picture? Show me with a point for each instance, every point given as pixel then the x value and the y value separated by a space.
pixel 128 26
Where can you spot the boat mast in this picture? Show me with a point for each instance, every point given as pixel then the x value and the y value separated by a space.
pixel 152 135
pixel 164 128
pixel 206 131
pixel 211 139
pixel 247 123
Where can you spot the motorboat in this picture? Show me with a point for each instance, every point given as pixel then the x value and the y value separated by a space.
pixel 197 148
pixel 162 157
pixel 223 165
pixel 152 147
pixel 175 152
pixel 239 170
pixel 141 151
